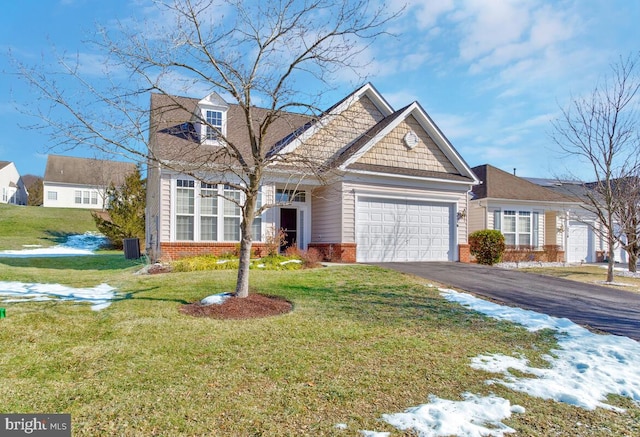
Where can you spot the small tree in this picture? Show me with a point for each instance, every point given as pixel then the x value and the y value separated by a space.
pixel 35 193
pixel 124 215
pixel 487 246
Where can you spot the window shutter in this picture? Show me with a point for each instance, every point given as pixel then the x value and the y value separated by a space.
pixel 496 220
pixel 534 233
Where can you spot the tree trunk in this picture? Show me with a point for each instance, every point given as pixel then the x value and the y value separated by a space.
pixel 246 239
pixel 633 260
pixel 242 286
pixel 611 258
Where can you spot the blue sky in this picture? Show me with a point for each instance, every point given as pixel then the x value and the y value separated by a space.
pixel 492 74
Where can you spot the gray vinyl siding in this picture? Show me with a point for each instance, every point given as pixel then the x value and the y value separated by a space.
pixel 165 208
pixel 326 214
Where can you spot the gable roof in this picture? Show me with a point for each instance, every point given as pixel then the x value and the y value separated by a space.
pixel 4 164
pixel 86 171
pixel 499 184
pixel 348 159
pixel 298 137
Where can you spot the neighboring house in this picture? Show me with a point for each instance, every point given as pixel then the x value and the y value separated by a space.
pixel 396 188
pixel 534 220
pixel 12 187
pixel 81 182
pixel 584 236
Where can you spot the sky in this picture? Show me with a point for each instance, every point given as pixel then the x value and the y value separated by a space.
pixel 582 371
pixel 492 74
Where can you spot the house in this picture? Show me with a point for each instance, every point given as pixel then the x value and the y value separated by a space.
pixel 585 236
pixel 535 221
pixel 71 182
pixel 387 186
pixel 12 187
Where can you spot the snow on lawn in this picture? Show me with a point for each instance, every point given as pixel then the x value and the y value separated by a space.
pixel 584 369
pixel 99 297
pixel 83 244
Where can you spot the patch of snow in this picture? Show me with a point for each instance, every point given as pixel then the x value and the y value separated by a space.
pixel 584 369
pixel 99 297
pixel 474 416
pixel 341 426
pixel 84 244
pixel 375 434
pixel 215 299
pixel 295 261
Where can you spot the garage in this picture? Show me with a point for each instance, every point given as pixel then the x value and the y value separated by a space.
pixel 403 230
pixel 579 243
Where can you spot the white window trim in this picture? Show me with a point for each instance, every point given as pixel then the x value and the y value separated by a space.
pixel 533 232
pixel 197 217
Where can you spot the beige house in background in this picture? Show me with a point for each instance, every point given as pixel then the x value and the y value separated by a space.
pixel 12 188
pixel 389 185
pixel 532 218
pixel 71 182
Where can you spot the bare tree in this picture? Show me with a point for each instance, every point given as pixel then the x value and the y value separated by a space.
pixel 602 129
pixel 271 54
pixel 627 213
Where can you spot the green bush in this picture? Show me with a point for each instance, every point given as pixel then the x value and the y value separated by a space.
pixel 487 246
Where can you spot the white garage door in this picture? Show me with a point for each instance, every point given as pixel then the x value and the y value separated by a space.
pixel 401 230
pixel 579 243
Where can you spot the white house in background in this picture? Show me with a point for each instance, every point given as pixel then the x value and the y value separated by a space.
pixel 81 182
pixel 12 189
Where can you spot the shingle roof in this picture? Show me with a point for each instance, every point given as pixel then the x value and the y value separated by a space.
pixel 176 140
pixel 86 171
pixel 3 164
pixel 498 184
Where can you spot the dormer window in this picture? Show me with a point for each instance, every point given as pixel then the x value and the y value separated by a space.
pixel 211 118
pixel 214 124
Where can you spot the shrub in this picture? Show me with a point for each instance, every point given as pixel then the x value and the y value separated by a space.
pixel 310 258
pixel 487 246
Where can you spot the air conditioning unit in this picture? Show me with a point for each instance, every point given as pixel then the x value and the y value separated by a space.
pixel 131 248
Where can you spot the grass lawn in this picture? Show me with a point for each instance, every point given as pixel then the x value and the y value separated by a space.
pixel 591 274
pixel 360 342
pixel 22 225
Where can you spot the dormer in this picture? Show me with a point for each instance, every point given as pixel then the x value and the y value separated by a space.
pixel 211 120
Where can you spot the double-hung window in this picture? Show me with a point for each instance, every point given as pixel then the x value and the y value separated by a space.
pixel 209 212
pixel 232 213
pixel 185 209
pixel 518 227
pixel 214 124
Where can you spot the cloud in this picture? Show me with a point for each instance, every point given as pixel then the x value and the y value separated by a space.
pixel 426 13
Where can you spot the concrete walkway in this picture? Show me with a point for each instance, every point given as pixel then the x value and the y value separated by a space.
pixel 603 308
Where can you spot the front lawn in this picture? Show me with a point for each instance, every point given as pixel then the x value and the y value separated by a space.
pixel 591 274
pixel 360 342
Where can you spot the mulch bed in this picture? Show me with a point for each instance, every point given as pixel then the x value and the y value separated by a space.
pixel 254 306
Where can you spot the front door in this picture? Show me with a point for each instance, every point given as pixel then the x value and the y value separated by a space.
pixel 289 225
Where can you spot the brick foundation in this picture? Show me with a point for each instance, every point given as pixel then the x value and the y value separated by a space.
pixel 549 253
pixel 173 251
pixel 336 252
pixel 464 253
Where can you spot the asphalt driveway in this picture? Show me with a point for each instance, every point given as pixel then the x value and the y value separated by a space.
pixel 603 308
